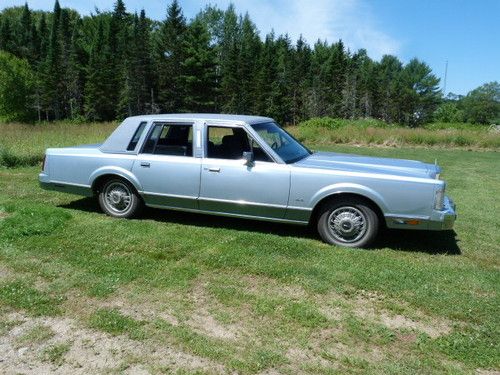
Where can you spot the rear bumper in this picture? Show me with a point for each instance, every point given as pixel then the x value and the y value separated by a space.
pixel 47 184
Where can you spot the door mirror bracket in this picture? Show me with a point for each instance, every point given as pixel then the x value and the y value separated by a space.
pixel 249 157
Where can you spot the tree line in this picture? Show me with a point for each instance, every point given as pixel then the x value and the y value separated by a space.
pixel 110 65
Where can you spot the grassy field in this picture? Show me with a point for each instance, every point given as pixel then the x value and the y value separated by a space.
pixel 24 145
pixel 327 131
pixel 182 293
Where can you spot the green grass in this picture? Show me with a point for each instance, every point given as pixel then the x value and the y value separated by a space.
pixel 114 322
pixel 253 296
pixel 55 353
pixel 19 295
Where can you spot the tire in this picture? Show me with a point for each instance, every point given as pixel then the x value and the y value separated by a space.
pixel 348 222
pixel 118 198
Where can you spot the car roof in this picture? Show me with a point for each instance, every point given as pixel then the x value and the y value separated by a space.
pixel 119 140
pixel 205 117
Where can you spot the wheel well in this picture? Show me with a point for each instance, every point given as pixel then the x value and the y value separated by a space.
pixel 340 196
pixel 101 180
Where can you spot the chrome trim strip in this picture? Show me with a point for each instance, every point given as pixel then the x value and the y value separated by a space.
pixel 68 184
pixel 299 208
pixel 242 216
pixel 416 217
pixel 64 187
pixel 169 195
pixel 237 202
pixel 242 202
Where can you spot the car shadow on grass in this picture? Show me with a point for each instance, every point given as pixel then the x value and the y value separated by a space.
pixel 429 242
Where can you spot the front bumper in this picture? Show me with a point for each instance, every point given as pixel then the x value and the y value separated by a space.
pixel 444 219
pixel 438 220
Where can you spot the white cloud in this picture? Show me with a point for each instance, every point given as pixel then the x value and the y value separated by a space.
pixel 349 20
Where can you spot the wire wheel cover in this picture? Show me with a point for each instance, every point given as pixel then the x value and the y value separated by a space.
pixel 118 197
pixel 347 224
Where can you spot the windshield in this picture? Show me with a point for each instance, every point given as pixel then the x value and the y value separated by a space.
pixel 287 147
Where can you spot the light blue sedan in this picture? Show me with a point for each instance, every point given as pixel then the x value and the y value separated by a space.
pixel 249 167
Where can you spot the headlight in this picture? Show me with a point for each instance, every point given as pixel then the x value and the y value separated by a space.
pixel 439 199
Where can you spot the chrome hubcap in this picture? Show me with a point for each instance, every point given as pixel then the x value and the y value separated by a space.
pixel 347 224
pixel 118 197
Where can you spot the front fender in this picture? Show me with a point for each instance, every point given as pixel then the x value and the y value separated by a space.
pixel 117 171
pixel 352 189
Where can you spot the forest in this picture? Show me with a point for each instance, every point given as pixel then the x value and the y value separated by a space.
pixel 61 65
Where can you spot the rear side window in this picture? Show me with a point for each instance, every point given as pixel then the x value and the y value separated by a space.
pixel 137 135
pixel 170 139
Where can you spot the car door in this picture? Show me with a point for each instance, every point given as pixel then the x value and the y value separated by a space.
pixel 166 167
pixel 228 185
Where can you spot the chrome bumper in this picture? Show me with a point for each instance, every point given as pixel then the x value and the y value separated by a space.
pixel 438 220
pixel 444 219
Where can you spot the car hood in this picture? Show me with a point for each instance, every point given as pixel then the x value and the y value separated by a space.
pixel 368 164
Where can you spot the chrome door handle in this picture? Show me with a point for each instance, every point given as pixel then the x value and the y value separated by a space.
pixel 145 164
pixel 214 169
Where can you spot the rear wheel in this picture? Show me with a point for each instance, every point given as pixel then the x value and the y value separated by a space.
pixel 349 222
pixel 118 198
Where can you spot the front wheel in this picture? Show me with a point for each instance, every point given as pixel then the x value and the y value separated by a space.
pixel 119 199
pixel 348 222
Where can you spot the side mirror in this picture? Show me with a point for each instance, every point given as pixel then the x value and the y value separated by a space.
pixel 249 157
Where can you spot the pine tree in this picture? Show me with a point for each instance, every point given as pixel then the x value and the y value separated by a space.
pixel 268 87
pixel 6 38
pixel 99 105
pixel 119 50
pixel 228 60
pixel 26 35
pixel 420 93
pixel 169 55
pixel 53 75
pixel 300 79
pixel 336 75
pixel 198 75
pixel 135 95
pixel 388 86
pixel 247 65
pixel 76 72
pixel 316 102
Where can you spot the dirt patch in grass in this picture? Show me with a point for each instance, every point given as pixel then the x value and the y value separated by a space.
pixel 432 326
pixel 157 305
pixel 74 349
pixel 369 306
pixel 5 273
pixel 268 286
pixel 204 322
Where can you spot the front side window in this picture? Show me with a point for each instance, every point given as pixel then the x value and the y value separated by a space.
pixel 286 146
pixel 230 143
pixel 170 139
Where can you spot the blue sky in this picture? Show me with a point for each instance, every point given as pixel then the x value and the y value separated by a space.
pixel 466 33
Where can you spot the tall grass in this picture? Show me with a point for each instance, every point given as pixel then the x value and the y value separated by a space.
pixel 324 131
pixel 24 145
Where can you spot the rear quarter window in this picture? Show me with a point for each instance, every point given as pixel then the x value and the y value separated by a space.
pixel 137 135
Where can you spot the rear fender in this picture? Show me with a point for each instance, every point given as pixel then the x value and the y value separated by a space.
pixel 116 171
